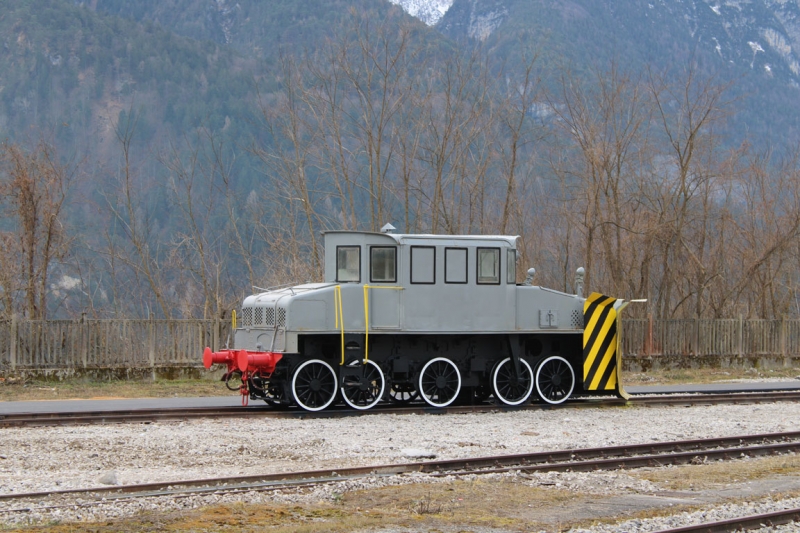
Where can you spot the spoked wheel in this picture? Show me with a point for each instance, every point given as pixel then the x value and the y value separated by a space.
pixel 554 380
pixel 314 385
pixel 402 393
pixel 362 384
pixel 439 382
pixel 510 388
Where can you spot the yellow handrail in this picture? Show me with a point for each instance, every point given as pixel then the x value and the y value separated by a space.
pixel 233 318
pixel 366 314
pixel 339 314
pixel 337 304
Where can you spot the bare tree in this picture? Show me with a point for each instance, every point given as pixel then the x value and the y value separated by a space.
pixel 198 192
pixel 138 253
pixel 34 187
pixel 288 158
pixel 456 126
pixel 377 68
pixel 767 224
pixel 688 108
pixel 605 124
pixel 518 130
pixel 10 272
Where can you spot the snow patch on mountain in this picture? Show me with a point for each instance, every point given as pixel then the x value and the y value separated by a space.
pixel 778 43
pixel 428 11
pixel 482 25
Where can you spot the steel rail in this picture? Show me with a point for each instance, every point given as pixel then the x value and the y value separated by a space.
pixel 644 461
pixel 172 414
pixel 578 459
pixel 187 413
pixel 776 518
pixel 706 398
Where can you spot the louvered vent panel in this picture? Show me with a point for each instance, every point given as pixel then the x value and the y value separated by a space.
pixel 247 317
pixel 270 317
pixel 577 319
pixel 258 316
pixel 281 317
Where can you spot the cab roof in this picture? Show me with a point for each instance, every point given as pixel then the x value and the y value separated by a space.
pixel 403 238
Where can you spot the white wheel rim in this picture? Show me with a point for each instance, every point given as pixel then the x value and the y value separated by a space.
pixel 571 387
pixel 377 399
pixel 422 374
pixel 294 385
pixel 497 394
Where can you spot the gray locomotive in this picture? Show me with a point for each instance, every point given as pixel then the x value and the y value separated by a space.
pixel 436 317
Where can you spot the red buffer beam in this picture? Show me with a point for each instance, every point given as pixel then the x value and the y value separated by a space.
pixel 242 360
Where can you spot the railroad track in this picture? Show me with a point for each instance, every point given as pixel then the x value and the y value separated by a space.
pixel 172 414
pixel 744 523
pixel 581 459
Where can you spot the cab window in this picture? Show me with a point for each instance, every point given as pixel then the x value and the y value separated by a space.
pixel 383 264
pixel 423 264
pixel 489 266
pixel 348 263
pixel 511 267
pixel 455 265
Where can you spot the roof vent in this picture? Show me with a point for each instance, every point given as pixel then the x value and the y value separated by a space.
pixel 388 228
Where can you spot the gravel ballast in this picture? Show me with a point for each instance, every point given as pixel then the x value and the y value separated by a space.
pixel 57 458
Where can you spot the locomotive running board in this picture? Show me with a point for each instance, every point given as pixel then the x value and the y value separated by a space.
pixel 602 350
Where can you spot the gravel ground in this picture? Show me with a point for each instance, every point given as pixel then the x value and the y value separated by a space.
pixel 717 514
pixel 56 458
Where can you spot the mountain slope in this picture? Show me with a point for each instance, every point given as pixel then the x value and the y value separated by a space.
pixel 762 35
pixel 754 44
pixel 70 71
pixel 255 28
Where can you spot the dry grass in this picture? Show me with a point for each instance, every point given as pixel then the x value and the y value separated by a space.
pixel 415 507
pixel 11 390
pixel 718 474
pixel 705 375
pixel 671 511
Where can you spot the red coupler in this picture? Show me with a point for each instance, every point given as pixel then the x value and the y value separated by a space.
pixel 262 362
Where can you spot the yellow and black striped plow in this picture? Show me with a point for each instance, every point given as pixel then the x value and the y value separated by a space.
pixel 601 354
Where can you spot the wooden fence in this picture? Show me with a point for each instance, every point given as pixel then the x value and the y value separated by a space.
pixel 35 344
pixel 726 337
pixel 76 344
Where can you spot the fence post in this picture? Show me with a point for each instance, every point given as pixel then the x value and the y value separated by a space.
pixel 649 341
pixel 82 342
pixel 152 347
pixel 783 336
pixel 741 337
pixel 215 340
pixel 696 336
pixel 13 341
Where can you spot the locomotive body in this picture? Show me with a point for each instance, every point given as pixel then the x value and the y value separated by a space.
pixel 438 317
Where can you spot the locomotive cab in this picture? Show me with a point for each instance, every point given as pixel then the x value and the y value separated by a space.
pixel 427 283
pixel 402 317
